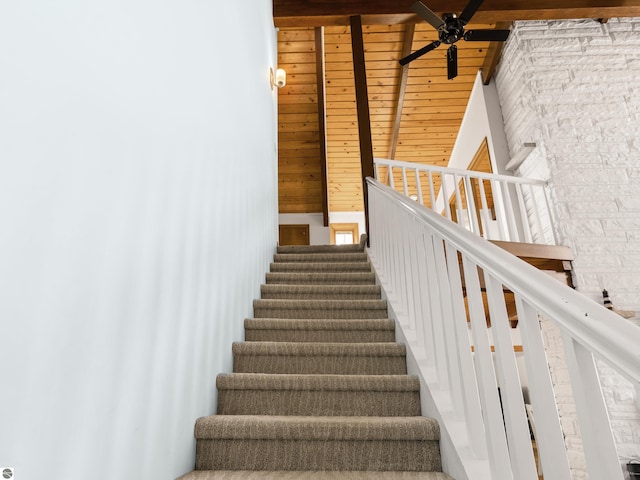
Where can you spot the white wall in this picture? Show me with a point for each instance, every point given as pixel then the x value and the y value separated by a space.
pixel 318 233
pixel 572 88
pixel 138 213
pixel 482 119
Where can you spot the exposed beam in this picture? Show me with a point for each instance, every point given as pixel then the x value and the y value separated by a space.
pixel 362 107
pixel 402 87
pixel 362 97
pixel 290 13
pixel 343 20
pixel 493 55
pixel 322 117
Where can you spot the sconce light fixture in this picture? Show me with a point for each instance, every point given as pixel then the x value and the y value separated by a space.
pixel 278 78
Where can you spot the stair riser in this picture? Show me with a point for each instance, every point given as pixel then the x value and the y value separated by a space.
pixel 323 331
pixel 318 403
pixel 321 336
pixel 310 475
pixel 319 296
pixel 316 364
pixel 260 312
pixel 375 455
pixel 283 278
pixel 320 257
pixel 331 249
pixel 333 267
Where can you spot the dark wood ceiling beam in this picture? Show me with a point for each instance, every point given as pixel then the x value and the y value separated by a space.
pixel 494 52
pixel 362 97
pixel 362 108
pixel 342 20
pixel 290 13
pixel 322 117
pixel 402 87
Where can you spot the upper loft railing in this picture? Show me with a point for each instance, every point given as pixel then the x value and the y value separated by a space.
pixel 496 207
pixel 453 295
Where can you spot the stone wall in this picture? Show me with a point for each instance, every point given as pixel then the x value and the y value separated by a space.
pixel 573 88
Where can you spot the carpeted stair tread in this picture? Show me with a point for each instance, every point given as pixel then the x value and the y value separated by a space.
pixel 321 257
pixel 318 395
pixel 270 427
pixel 260 442
pixel 319 330
pixel 327 309
pixel 320 358
pixel 320 267
pixel 310 475
pixel 328 278
pixel 321 292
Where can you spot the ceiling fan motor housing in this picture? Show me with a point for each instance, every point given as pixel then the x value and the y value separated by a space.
pixel 451 30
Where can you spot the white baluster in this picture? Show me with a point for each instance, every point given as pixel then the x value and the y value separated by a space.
pixel 471 206
pixel 493 421
pixel 597 438
pixel 419 187
pixel 549 436
pixel 432 195
pixel 515 416
pixel 405 186
pixel 524 216
pixel 471 413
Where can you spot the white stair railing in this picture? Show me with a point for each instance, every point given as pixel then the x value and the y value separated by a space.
pixel 497 207
pixel 437 278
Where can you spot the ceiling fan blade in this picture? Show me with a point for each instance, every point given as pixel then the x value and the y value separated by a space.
pixel 452 62
pixel 427 15
pixel 419 53
pixel 469 10
pixel 486 35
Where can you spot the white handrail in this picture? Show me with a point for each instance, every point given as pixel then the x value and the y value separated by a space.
pixel 456 171
pixel 415 250
pixel 497 207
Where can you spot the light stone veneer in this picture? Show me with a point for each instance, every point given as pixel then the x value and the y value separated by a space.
pixel 573 88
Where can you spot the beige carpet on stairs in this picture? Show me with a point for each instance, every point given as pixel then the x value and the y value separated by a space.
pixel 308 475
pixel 319 388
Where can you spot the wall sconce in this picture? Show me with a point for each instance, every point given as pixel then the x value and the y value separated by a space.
pixel 278 78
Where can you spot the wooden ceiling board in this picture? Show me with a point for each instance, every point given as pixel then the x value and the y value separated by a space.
pixel 299 167
pixel 432 106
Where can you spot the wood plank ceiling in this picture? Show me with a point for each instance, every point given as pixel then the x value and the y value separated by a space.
pixel 414 117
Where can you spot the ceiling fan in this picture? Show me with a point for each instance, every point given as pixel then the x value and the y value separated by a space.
pixel 450 30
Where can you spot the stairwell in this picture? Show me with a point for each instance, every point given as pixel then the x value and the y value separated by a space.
pixel 319 388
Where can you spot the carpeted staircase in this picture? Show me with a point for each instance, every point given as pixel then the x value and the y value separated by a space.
pixel 319 389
